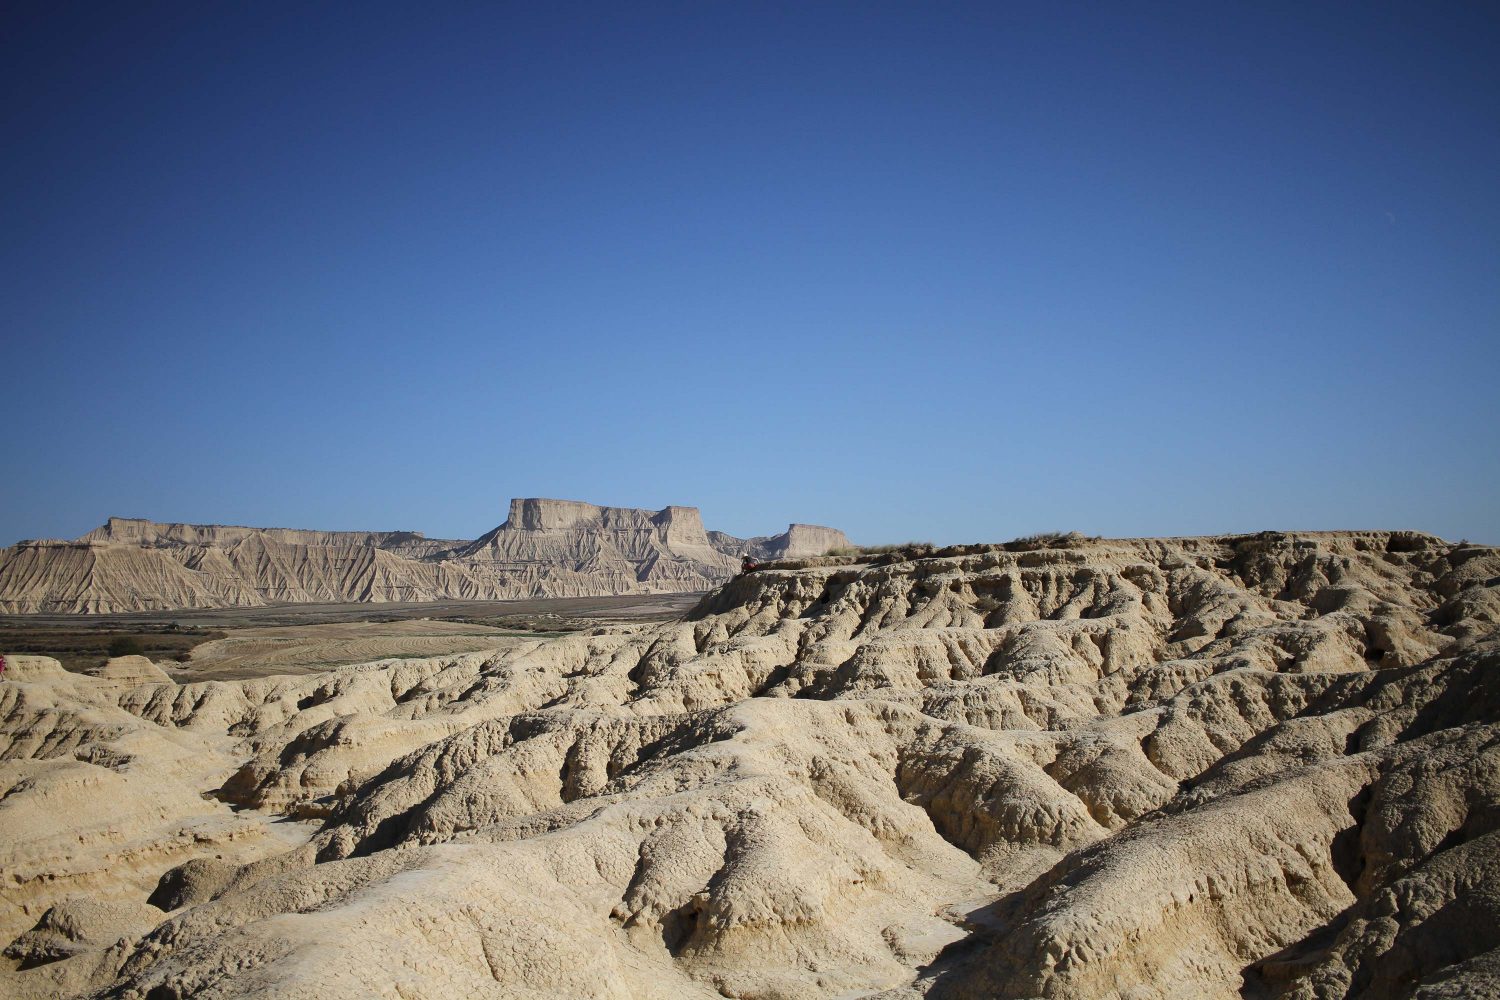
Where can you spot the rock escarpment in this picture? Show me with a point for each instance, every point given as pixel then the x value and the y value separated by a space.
pixel 1254 766
pixel 546 548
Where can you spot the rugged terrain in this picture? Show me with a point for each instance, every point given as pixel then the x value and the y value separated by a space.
pixel 545 548
pixel 1250 766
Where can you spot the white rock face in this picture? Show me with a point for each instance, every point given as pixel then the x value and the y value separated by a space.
pixel 1263 766
pixel 803 540
pixel 545 548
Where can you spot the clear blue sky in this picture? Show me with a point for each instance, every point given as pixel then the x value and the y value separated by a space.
pixel 948 272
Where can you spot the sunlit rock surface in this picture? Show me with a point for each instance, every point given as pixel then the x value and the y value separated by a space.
pixel 1263 766
pixel 545 548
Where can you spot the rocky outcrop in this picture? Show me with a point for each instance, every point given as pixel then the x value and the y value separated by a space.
pixel 150 534
pixel 545 548
pixel 799 541
pixel 802 540
pixel 1257 766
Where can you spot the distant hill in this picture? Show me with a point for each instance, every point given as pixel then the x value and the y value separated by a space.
pixel 545 548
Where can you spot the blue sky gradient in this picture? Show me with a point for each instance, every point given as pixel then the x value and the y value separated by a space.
pixel 947 272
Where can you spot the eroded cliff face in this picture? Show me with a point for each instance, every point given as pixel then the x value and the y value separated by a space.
pixel 545 548
pixel 1263 766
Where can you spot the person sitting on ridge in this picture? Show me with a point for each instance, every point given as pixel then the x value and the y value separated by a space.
pixel 748 565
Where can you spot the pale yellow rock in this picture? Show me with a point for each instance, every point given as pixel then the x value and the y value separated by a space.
pixel 129 672
pixel 546 548
pixel 20 667
pixel 1257 766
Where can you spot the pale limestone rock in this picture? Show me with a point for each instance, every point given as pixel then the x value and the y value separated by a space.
pixel 130 672
pixel 545 548
pixel 20 667
pixel 1257 766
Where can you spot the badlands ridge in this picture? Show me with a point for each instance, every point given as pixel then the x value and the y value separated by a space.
pixel 1251 766
pixel 546 548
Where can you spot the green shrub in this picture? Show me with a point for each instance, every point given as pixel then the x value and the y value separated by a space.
pixel 1048 540
pixel 901 547
pixel 126 645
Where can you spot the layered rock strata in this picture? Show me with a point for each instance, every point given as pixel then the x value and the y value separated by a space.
pixel 1254 766
pixel 545 548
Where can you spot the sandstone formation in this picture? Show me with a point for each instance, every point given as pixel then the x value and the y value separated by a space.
pixel 546 548
pixel 1254 766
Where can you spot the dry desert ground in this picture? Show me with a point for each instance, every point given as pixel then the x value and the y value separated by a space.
pixel 1250 766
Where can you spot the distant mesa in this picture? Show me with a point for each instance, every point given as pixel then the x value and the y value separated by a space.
pixel 545 548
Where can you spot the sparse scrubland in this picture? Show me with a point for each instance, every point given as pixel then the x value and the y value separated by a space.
pixel 898 551
pixel 87 648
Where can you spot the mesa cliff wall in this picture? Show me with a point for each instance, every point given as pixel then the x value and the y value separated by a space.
pixel 545 548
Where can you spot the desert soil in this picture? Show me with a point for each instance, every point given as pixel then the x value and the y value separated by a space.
pixel 1252 766
pixel 224 644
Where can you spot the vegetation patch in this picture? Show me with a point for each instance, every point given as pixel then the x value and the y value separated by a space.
pixel 1048 540
pixel 80 649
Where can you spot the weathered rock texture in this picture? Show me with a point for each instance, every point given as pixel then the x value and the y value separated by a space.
pixel 546 548
pixel 1259 766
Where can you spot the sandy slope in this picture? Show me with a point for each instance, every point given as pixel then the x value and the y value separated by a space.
pixel 1258 766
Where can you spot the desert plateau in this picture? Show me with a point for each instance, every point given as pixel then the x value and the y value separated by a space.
pixel 1241 766
pixel 544 548
pixel 739 501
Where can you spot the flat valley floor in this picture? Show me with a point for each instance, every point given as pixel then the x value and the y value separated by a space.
pixel 235 643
